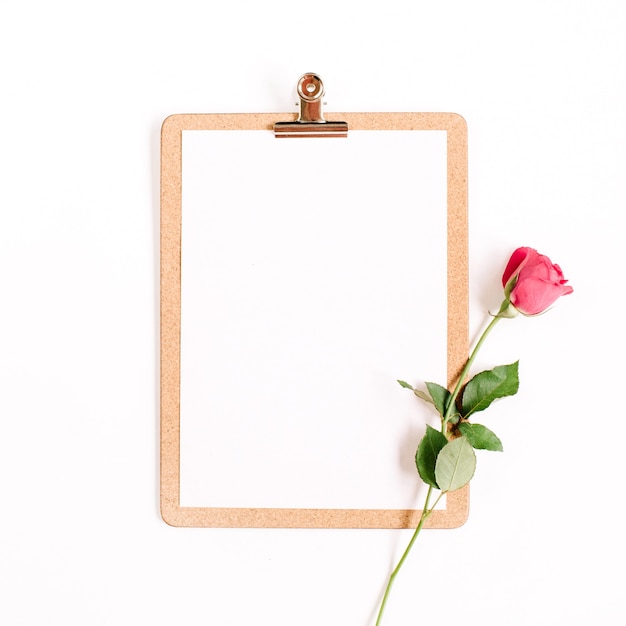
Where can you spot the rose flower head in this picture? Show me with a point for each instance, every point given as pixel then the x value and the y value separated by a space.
pixel 532 282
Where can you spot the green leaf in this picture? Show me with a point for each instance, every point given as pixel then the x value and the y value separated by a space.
pixel 420 394
pixel 488 386
pixel 480 437
pixel 423 396
pixel 440 396
pixel 426 456
pixel 455 465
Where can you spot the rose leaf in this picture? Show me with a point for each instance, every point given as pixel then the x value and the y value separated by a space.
pixel 426 456
pixel 455 465
pixel 480 437
pixel 488 386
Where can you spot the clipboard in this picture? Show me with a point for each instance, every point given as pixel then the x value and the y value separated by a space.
pixel 282 307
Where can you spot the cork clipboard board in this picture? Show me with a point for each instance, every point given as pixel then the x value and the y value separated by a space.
pixel 225 418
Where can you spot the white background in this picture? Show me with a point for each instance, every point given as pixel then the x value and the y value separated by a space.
pixel 84 88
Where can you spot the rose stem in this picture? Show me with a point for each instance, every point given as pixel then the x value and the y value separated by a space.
pixel 426 511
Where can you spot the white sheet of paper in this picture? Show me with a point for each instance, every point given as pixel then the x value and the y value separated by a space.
pixel 313 277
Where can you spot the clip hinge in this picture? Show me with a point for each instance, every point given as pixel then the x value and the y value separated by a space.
pixel 311 122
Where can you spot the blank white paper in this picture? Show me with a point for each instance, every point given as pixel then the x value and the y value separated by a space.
pixel 313 277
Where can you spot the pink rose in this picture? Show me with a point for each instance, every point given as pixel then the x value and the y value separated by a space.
pixel 532 282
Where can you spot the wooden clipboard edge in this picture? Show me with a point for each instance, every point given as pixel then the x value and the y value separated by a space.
pixel 457 506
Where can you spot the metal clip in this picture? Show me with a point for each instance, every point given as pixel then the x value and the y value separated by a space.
pixel 311 122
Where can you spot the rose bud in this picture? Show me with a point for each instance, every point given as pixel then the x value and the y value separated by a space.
pixel 532 283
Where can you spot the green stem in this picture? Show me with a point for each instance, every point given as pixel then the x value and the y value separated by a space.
pixel 459 384
pixel 426 511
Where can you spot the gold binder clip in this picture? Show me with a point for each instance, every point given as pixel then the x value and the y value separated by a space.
pixel 311 122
